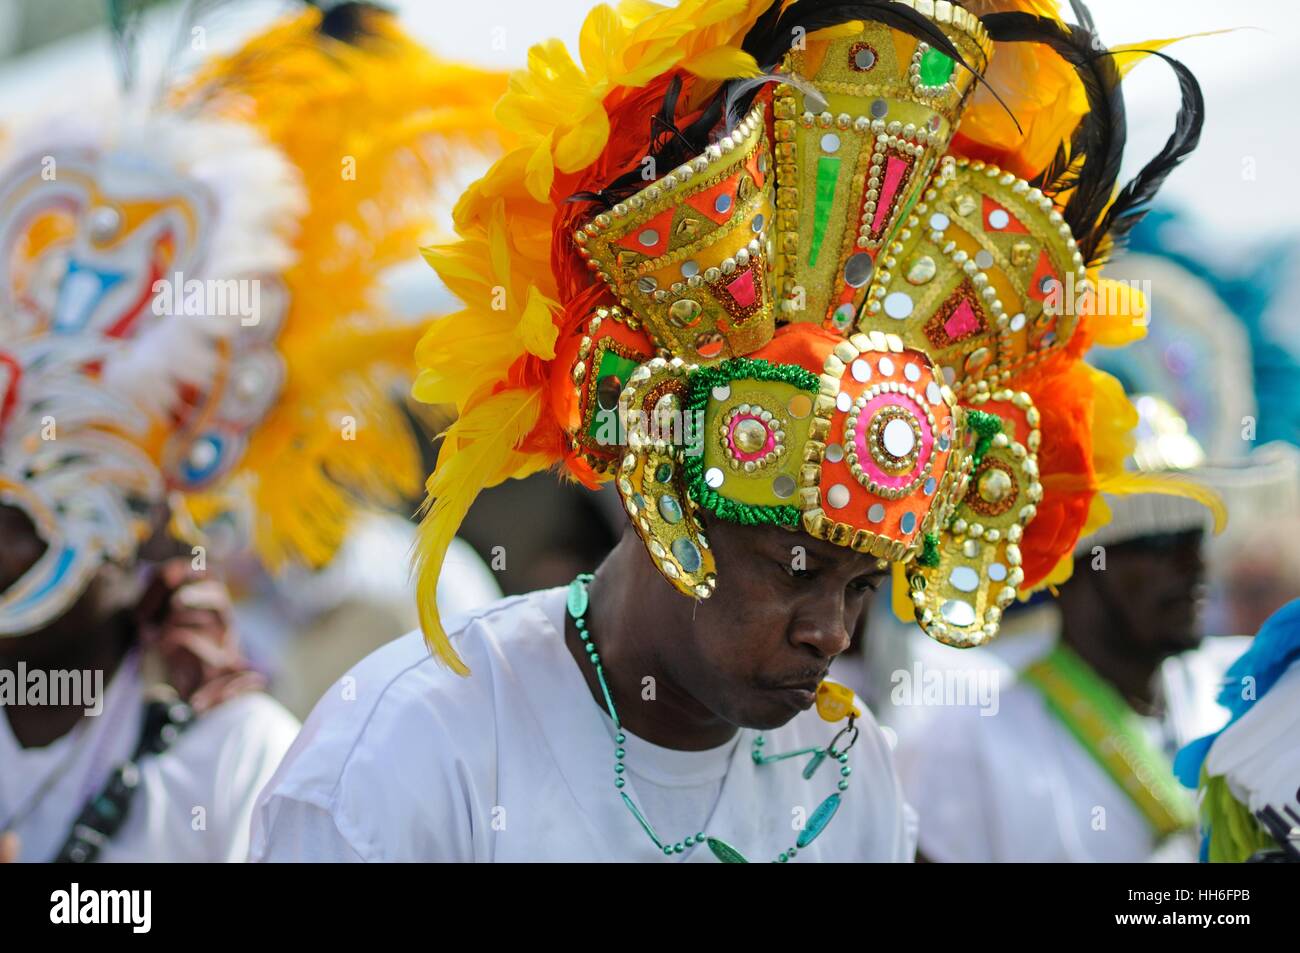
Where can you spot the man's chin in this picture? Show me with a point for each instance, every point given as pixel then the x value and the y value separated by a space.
pixel 1180 641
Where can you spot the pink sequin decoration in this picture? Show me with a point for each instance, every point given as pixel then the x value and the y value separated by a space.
pixel 741 288
pixel 867 462
pixel 741 455
pixel 961 322
pixel 894 169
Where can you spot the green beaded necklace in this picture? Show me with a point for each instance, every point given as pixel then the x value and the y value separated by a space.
pixel 820 819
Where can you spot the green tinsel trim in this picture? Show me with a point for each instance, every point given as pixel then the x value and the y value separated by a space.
pixel 986 427
pixel 705 379
pixel 701 388
pixel 929 551
pixel 746 514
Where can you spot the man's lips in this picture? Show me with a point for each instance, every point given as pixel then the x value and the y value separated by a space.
pixel 803 683
pixel 798 696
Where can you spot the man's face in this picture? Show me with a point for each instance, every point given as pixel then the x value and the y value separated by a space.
pixel 786 605
pixel 1155 588
pixel 109 591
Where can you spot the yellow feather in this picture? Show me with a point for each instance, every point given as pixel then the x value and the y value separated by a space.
pixel 726 63
pixel 477 452
pixel 1167 484
pixel 1119 313
pixel 536 329
pixel 504 224
pixel 1114 418
pixel 372 129
pixel 1129 55
pixel 900 594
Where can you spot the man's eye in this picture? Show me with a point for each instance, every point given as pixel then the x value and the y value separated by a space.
pixel 866 584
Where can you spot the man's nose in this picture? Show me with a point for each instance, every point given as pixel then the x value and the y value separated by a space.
pixel 819 624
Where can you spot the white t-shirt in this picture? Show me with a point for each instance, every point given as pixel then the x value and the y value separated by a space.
pixel 1016 786
pixel 404 761
pixel 194 799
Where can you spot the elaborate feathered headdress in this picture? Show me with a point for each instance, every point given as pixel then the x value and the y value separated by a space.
pixel 190 302
pixel 818 263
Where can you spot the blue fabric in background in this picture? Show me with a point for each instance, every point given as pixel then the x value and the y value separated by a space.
pixel 1271 652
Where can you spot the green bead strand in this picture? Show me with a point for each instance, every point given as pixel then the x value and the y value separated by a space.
pixel 695 840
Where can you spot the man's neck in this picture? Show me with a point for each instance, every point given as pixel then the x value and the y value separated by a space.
pixel 35 726
pixel 628 618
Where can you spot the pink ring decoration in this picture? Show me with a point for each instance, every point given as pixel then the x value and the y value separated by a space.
pixel 739 454
pixel 865 459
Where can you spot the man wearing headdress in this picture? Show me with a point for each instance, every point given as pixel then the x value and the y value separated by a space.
pixel 827 345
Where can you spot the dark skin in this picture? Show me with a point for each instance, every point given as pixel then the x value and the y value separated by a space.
pixel 116 611
pixel 95 633
pixel 1145 606
pixel 113 614
pixel 751 655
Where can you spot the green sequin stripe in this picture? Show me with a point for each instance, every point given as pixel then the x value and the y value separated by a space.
pixel 986 427
pixel 746 514
pixel 701 389
pixel 828 174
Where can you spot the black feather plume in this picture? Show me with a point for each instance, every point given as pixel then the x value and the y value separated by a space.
pixel 1084 16
pixel 664 122
pixel 1135 198
pixel 1090 167
pixel 1061 174
pixel 346 20
pixel 1097 145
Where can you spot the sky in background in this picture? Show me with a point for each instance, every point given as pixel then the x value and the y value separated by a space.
pixel 1236 184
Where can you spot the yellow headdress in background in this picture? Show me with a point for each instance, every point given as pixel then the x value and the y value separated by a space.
pixel 192 305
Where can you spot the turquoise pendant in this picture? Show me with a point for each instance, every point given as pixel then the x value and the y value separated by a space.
pixel 641 819
pixel 820 818
pixel 577 598
pixel 813 764
pixel 725 852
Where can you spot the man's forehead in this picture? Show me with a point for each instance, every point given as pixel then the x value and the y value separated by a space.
pixel 794 541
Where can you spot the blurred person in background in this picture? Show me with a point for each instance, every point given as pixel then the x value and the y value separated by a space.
pixel 194 360
pixel 165 763
pixel 1217 350
pixel 1098 692
pixel 1214 353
